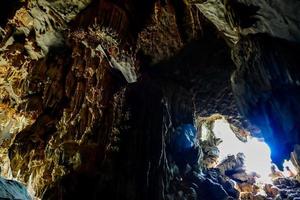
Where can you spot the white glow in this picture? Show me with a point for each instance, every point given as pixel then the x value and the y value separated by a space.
pixel 257 153
pixel 204 133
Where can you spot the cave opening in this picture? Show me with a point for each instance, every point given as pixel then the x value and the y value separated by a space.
pixel 127 100
pixel 240 156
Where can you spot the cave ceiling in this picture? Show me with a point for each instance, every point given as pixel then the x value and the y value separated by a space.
pixel 81 80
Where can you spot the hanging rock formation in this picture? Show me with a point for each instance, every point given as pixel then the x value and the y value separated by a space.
pixel 99 98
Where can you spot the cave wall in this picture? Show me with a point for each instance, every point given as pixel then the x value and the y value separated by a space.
pixel 71 96
pixel 265 83
pixel 267 88
pixel 87 133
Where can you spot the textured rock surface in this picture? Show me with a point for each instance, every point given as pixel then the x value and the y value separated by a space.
pixel 288 188
pixel 10 189
pixel 275 18
pixel 266 84
pixel 78 104
pixel 93 93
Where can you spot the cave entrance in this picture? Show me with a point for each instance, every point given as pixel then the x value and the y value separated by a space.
pixel 239 155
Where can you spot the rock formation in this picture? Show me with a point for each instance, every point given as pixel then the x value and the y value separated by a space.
pixel 13 190
pixel 100 98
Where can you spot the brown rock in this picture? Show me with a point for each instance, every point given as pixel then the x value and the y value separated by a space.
pixel 247 188
pixel 271 191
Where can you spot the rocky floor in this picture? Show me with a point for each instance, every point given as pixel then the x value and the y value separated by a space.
pixel 288 188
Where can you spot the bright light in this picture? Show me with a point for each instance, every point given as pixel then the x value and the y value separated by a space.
pixel 204 133
pixel 257 153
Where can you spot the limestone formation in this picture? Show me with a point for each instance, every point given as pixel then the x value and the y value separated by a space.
pixel 106 99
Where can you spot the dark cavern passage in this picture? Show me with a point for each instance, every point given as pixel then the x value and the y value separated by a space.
pixel 150 100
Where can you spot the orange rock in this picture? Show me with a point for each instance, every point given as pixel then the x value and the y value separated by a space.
pixel 248 188
pixel 23 18
pixel 271 190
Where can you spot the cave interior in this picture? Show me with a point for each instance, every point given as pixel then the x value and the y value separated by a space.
pixel 150 100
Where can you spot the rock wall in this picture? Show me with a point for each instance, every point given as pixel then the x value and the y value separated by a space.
pixel 267 88
pixel 76 102
pixel 266 83
pixel 13 190
pixel 95 92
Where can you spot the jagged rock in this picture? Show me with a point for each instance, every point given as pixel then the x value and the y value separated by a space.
pixel 211 155
pixel 93 94
pixel 216 12
pixel 274 18
pixel 295 157
pixel 231 164
pixel 184 138
pixel 242 176
pixel 288 188
pixel 10 189
pixel 227 184
pixel 251 196
pixel 252 17
pixel 266 77
pixel 275 173
pixel 271 190
pixel 248 188
pixel 206 188
pixel 288 182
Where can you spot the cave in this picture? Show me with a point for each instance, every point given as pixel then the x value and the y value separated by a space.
pixel 153 100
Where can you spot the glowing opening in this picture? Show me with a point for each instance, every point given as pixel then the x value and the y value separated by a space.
pixel 257 152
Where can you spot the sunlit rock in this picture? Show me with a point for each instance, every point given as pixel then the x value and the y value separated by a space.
pixel 118 99
pixel 271 191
